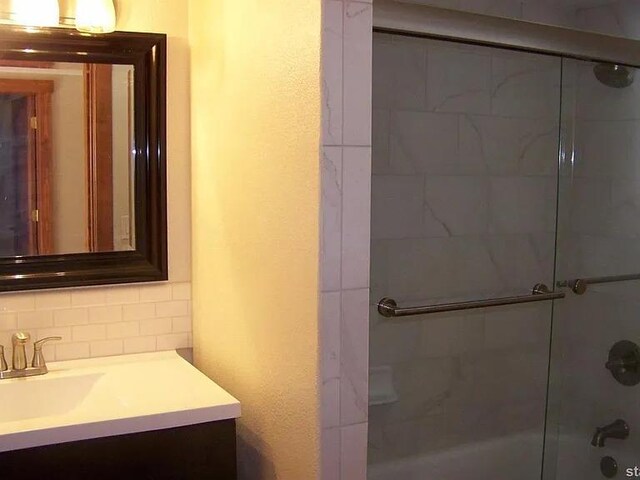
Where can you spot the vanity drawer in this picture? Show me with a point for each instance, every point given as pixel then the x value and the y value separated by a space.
pixel 194 452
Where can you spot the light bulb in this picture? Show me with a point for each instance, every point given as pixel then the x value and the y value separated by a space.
pixel 95 16
pixel 36 13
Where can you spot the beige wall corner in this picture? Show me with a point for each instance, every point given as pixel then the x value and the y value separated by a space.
pixel 255 69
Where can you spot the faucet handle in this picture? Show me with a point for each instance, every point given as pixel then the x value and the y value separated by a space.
pixel 3 362
pixel 38 357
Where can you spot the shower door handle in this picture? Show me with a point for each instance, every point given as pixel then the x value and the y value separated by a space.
pixel 388 307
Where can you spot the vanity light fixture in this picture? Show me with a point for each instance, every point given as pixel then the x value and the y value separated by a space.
pixel 36 13
pixel 95 16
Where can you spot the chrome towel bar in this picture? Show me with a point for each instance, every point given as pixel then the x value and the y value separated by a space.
pixel 579 286
pixel 387 307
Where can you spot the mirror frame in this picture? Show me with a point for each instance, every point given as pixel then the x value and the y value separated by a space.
pixel 148 262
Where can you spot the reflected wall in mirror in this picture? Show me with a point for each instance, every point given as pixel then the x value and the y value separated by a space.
pixel 66 158
pixel 82 158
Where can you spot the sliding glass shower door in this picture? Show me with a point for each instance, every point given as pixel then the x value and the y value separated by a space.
pixel 465 192
pixel 593 397
pixel 503 180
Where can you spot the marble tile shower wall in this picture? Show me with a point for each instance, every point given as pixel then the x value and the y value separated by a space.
pixel 585 394
pixel 464 206
pixel 345 240
pixel 97 322
pixel 464 169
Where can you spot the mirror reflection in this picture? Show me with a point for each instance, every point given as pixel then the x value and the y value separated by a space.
pixel 66 158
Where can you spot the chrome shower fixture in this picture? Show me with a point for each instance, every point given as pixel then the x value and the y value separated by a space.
pixel 612 75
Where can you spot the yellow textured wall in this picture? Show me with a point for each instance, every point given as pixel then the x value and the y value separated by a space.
pixel 255 69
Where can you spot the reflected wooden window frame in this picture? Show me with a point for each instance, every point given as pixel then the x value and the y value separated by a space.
pixel 99 141
pixel 39 93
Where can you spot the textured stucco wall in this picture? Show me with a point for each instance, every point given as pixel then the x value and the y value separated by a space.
pixel 255 69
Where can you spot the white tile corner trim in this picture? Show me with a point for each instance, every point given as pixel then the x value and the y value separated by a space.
pixel 346 237
pixel 101 321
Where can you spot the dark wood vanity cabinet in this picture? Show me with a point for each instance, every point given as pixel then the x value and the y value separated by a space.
pixel 195 452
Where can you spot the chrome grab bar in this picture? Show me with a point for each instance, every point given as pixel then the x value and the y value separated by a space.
pixel 387 307
pixel 579 285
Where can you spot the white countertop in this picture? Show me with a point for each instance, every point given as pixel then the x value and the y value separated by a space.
pixel 100 397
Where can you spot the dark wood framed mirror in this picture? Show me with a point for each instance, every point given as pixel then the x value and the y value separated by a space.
pixel 82 158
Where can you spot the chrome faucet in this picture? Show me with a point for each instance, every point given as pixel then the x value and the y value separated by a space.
pixel 19 366
pixel 19 357
pixel 618 429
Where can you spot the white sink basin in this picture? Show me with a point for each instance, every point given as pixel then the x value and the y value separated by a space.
pixel 84 399
pixel 45 397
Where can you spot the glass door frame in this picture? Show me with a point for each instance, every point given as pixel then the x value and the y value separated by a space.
pixel 465 27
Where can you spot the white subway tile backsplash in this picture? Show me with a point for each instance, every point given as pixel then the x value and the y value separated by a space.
pixel 72 316
pixel 87 333
pixel 8 321
pixel 106 348
pixel 156 293
pixel 72 351
pixel 181 291
pixel 20 302
pixel 51 300
pixel 89 297
pixel 173 341
pixel 181 324
pixel 155 326
pixel 102 321
pixel 175 308
pixel 140 345
pixel 141 311
pixel 123 330
pixel 32 320
pixel 122 295
pixel 106 314
pixel 49 351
